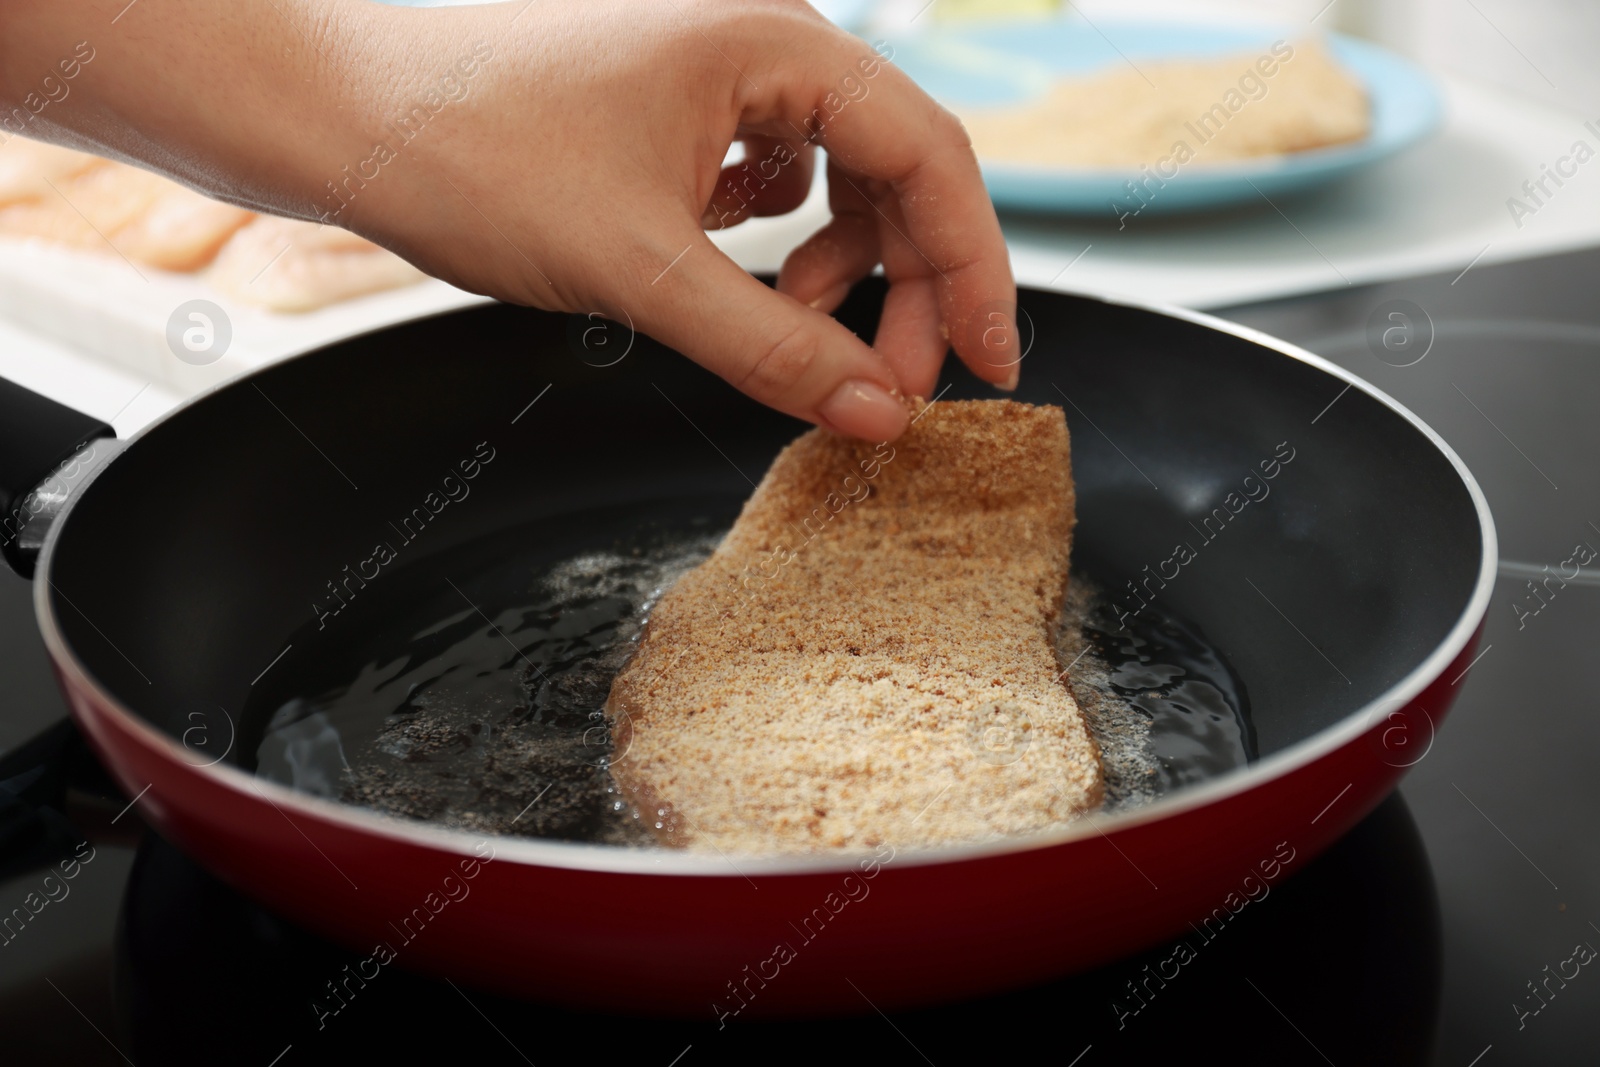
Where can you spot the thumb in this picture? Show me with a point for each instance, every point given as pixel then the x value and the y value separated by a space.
pixel 769 345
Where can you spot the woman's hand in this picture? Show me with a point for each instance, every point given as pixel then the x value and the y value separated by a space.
pixel 568 156
pixel 580 168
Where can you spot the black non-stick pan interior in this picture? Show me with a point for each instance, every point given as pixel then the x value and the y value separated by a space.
pixel 199 552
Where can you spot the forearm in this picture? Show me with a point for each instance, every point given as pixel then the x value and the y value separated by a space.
pixel 258 102
pixel 562 155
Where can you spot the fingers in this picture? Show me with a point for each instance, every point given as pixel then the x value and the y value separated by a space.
pixel 867 228
pixel 774 179
pixel 911 333
pixel 885 132
pixel 770 346
pixel 820 272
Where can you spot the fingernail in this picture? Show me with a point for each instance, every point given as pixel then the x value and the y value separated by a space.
pixel 865 410
pixel 1013 376
pixel 832 298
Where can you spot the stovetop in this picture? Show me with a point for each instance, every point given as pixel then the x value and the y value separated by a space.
pixel 1448 927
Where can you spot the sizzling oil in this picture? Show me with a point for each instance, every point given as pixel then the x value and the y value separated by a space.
pixel 474 696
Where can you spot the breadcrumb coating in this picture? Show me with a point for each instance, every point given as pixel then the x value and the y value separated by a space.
pixel 869 656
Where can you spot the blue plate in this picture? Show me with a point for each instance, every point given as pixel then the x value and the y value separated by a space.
pixel 993 63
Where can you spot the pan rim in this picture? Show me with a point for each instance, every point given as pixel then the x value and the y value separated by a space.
pixel 611 859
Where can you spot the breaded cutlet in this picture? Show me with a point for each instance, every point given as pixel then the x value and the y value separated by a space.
pixel 869 655
pixel 1170 113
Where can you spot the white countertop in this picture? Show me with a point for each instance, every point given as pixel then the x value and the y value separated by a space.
pixel 86 330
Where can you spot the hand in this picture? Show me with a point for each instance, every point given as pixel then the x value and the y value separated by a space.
pixel 568 156
pixel 581 164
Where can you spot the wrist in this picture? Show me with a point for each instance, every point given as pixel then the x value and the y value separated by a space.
pixel 397 138
pixel 313 118
pixel 433 97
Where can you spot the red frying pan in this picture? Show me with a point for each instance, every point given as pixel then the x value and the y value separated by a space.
pixel 195 566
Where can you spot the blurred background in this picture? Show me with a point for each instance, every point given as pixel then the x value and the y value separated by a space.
pixel 1472 39
pixel 1415 941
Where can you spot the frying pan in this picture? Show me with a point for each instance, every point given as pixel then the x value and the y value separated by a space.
pixel 1349 602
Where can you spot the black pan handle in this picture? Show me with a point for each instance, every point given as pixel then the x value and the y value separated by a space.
pixel 37 435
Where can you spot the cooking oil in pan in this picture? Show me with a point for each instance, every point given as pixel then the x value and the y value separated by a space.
pixel 472 697
pixel 1163 704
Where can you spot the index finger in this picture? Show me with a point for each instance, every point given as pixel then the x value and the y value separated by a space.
pixel 876 123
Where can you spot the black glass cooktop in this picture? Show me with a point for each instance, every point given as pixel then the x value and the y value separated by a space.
pixel 1452 926
pixel 1504 362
